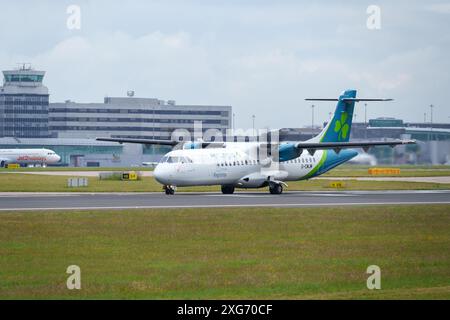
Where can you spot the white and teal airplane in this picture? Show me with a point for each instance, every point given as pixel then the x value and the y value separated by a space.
pixel 241 165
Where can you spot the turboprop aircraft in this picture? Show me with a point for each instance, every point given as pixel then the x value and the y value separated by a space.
pixel 242 164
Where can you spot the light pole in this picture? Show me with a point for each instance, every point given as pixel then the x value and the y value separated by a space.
pixel 431 115
pixel 431 121
pixel 365 120
pixel 365 114
pixel 253 119
pixel 234 124
pixel 312 121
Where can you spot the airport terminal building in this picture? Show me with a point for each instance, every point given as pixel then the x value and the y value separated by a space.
pixel 28 120
pixel 131 117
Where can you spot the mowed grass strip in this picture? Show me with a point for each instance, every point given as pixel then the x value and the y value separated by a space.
pixel 257 253
pixel 357 172
pixel 47 183
pixel 342 171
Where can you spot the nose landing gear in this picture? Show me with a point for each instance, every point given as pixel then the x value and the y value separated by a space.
pixel 169 190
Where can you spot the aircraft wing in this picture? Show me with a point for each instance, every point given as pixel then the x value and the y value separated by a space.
pixel 141 141
pixel 185 144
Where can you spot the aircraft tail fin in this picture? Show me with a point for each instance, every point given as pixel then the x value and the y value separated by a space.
pixel 339 127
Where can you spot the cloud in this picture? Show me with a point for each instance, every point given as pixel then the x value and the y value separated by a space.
pixel 443 8
pixel 153 64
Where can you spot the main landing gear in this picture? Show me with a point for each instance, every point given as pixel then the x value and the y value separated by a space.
pixel 275 188
pixel 169 190
pixel 227 189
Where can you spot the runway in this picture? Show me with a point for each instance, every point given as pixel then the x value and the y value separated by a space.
pixel 74 201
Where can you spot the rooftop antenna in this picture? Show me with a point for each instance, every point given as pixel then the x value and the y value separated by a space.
pixel 24 66
pixel 130 93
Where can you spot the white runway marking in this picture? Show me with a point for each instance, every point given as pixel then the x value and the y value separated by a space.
pixel 217 193
pixel 231 206
pixel 237 195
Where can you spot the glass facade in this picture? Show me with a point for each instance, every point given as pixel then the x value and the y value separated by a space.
pixel 138 111
pixel 24 115
pixel 23 78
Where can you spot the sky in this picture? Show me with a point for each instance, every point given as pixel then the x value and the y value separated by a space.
pixel 261 57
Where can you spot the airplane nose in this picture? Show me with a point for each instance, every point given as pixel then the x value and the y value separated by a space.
pixel 58 158
pixel 161 174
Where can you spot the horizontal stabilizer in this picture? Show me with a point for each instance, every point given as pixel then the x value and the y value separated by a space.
pixel 347 99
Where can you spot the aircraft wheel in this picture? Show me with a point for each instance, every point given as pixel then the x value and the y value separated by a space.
pixel 276 188
pixel 169 190
pixel 227 189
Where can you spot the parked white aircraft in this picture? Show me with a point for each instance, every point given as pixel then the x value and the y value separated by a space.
pixel 28 156
pixel 364 159
pixel 242 165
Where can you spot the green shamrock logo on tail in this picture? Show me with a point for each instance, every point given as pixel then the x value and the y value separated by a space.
pixel 342 127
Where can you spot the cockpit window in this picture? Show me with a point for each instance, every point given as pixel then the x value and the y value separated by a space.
pixel 174 159
pixel 187 160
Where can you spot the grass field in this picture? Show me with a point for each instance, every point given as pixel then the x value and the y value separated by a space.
pixel 46 183
pixel 259 253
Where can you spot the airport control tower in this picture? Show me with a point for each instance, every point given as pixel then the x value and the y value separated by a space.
pixel 23 104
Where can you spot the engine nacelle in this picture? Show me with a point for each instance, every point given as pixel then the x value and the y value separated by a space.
pixel 253 180
pixel 288 151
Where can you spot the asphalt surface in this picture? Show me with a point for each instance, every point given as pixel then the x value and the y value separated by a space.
pixel 72 201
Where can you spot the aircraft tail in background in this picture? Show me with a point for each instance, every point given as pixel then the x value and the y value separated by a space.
pixel 339 128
